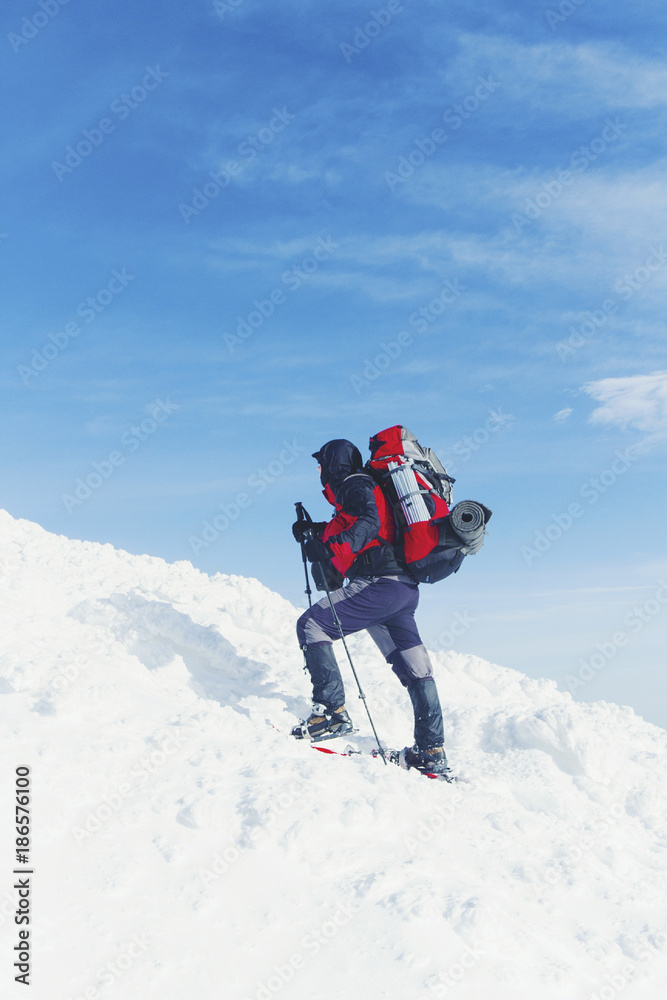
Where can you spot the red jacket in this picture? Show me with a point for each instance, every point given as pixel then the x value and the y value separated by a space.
pixel 363 522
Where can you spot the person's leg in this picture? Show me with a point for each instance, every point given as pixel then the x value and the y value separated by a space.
pixel 429 730
pixel 400 643
pixel 361 604
pixel 316 630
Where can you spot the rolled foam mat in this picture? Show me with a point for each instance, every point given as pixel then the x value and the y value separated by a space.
pixel 468 519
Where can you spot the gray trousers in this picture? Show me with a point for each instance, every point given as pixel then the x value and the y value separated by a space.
pixel 385 607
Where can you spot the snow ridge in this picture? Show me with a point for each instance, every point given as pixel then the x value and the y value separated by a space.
pixel 184 847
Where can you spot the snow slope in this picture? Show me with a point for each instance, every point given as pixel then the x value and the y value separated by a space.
pixel 185 848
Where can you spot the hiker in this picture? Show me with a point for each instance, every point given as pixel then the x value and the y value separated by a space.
pixel 380 597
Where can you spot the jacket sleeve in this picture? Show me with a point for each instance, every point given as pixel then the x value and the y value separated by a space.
pixel 357 498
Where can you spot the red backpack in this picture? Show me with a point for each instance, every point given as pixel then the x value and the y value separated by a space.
pixel 435 537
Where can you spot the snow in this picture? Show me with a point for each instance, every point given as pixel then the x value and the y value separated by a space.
pixel 184 847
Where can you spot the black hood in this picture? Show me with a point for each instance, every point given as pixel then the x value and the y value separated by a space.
pixel 339 458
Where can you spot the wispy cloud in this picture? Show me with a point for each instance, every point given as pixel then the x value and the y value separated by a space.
pixel 563 415
pixel 424 249
pixel 564 78
pixel 638 401
pixel 597 229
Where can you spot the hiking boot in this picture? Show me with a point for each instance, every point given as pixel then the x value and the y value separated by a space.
pixel 323 724
pixel 431 762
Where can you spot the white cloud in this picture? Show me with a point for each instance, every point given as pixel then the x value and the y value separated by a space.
pixel 424 250
pixel 562 415
pixel 638 401
pixel 563 78
pixel 592 234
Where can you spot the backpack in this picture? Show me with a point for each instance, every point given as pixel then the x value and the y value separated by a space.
pixel 435 537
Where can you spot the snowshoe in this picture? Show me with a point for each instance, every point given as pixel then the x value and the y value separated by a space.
pixel 323 724
pixel 432 763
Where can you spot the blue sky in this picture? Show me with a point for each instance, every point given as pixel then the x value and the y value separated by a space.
pixel 233 231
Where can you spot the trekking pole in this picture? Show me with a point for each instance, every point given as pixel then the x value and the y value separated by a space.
pixel 361 693
pixel 303 515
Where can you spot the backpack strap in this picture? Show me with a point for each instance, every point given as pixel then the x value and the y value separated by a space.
pixel 366 475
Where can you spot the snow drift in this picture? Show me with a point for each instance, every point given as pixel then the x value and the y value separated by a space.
pixel 183 847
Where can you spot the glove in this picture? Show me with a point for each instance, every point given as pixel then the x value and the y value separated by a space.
pixel 316 550
pixel 299 529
